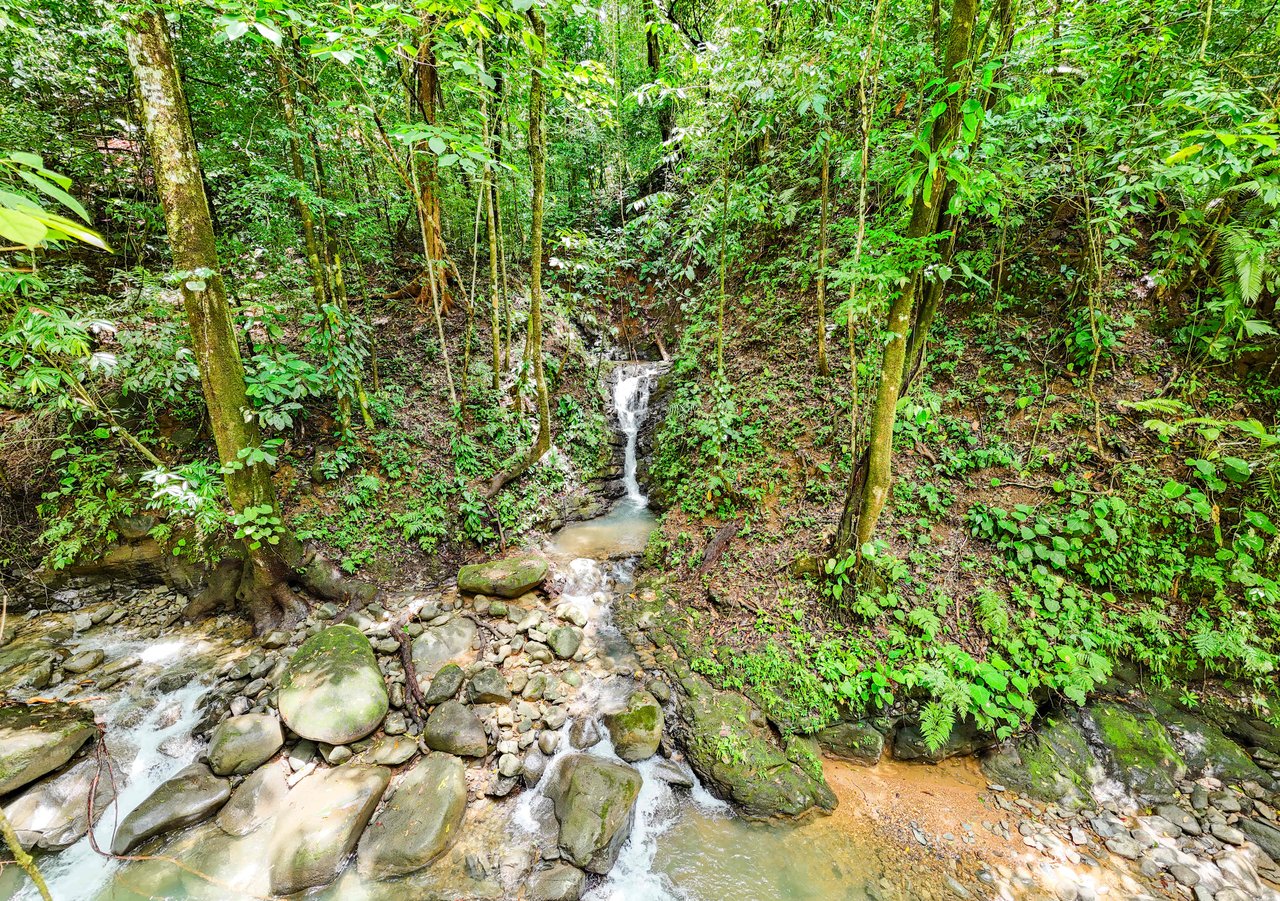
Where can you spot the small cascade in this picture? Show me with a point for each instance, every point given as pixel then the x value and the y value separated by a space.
pixel 632 388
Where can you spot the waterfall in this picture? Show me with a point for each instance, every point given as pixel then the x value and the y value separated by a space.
pixel 631 391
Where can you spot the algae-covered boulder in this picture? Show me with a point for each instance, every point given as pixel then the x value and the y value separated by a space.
pixel 859 742
pixel 1138 750
pixel 1052 763
pixel 241 744
pixel 507 578
pixel 54 813
pixel 636 730
pixel 332 690
pixel 441 645
pixel 1206 750
pixel 255 801
pixel 730 745
pixel 38 738
pixel 319 828
pixel 421 819
pixel 595 803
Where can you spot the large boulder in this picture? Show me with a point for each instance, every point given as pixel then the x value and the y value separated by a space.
pixel 450 642
pixel 595 803
pixel 1138 750
pixel 859 742
pixel 320 827
pixel 454 729
pixel 560 882
pixel 730 745
pixel 255 801
pixel 36 739
pixel 184 800
pixel 636 730
pixel 1052 763
pixel 507 578
pixel 332 690
pixel 421 819
pixel 241 744
pixel 964 739
pixel 54 814
pixel 1204 747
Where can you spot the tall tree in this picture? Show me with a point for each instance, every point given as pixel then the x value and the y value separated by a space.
pixel 862 509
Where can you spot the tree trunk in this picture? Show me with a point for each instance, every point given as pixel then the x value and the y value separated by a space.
pixel 902 311
pixel 653 56
pixel 821 323
pixel 172 148
pixel 538 163
pixel 288 103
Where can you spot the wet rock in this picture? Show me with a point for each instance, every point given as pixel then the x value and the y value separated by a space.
pixel 965 738
pixel 488 687
pixel 421 820
pixel 320 827
pixel 445 685
pixel 1052 763
pixel 859 742
pixel 730 745
pixel 241 744
pixel 637 729
pixel 276 639
pixel 584 733
pixel 533 767
pixel 54 814
pixel 332 690
pixel 336 755
pixel 1205 749
pixel 507 578
pixel 672 774
pixel 36 739
pixel 255 801
pixel 559 883
pixel 187 798
pixel 1138 751
pixel 449 642
pixel 454 729
pixel 1264 836
pixel 595 805
pixel 83 662
pixel 564 641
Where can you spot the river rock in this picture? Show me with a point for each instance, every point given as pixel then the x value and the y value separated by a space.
pixel 559 883
pixel 84 661
pixel 636 730
pixel 454 729
pixel 965 738
pixel 321 825
pixel 595 806
pixel 564 641
pixel 1264 836
pixel 257 799
pixel 1204 747
pixel 332 690
pixel 36 739
pixel 445 685
pixel 420 821
pixel 730 745
pixel 1052 763
pixel 859 742
pixel 507 578
pixel 241 744
pixel 1138 750
pixel 184 800
pixel 392 750
pixel 488 687
pixel 445 643
pixel 54 814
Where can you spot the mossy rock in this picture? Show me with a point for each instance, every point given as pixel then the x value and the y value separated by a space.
pixel 332 691
pixel 507 578
pixel 37 739
pixel 859 742
pixel 1138 750
pixel 730 745
pixel 1206 750
pixel 595 806
pixel 1052 763
pixel 636 730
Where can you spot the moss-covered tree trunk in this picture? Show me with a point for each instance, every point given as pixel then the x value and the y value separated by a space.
pixel 176 165
pixel 289 106
pixel 538 163
pixel 863 509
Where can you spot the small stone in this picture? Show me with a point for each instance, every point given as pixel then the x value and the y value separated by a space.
pixel 84 661
pixel 510 765
pixel 1228 834
pixel 1185 875
pixel 395 724
pixel 276 639
pixel 444 686
pixel 488 687
pixel 335 755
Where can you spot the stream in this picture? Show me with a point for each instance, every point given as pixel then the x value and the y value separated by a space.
pixel 685 844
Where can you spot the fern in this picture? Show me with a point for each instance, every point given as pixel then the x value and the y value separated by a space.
pixel 936 723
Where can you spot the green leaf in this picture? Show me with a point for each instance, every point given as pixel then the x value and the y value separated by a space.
pixel 22 227
pixel 52 190
pixel 437 145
